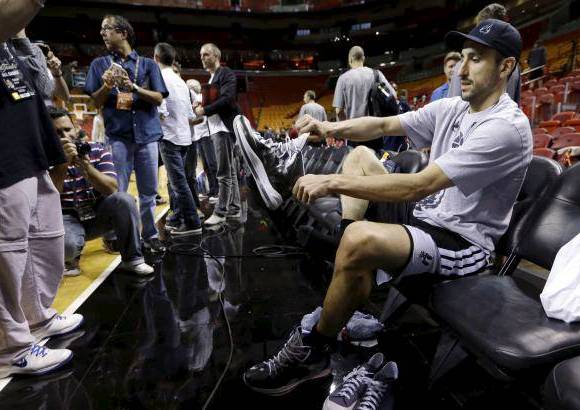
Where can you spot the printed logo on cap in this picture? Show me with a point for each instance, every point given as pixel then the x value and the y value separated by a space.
pixel 486 29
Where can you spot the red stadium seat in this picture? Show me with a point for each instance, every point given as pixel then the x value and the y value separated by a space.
pixel 574 122
pixel 540 91
pixel 565 80
pixel 546 106
pixel 574 93
pixel 544 152
pixel 527 94
pixel 557 88
pixel 539 131
pixel 566 140
pixel 542 140
pixel 563 130
pixel 550 83
pixel 549 125
pixel 563 116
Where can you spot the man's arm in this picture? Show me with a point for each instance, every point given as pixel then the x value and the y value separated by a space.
pixel 15 15
pixel 357 129
pixel 58 175
pixel 104 184
pixel 152 97
pixel 227 97
pixel 340 113
pixel 376 188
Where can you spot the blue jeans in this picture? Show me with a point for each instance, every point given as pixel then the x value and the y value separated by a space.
pixel 143 159
pixel 208 157
pixel 117 213
pixel 182 197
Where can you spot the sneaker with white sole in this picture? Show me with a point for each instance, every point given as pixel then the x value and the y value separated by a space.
pixel 275 166
pixel 214 220
pixel 213 200
pixel 39 360
pixel 141 269
pixel 347 394
pixel 58 326
pixel 71 272
pixel 379 392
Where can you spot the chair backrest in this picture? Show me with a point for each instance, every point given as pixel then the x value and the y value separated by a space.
pixel 544 152
pixel 575 123
pixel 563 116
pixel 541 175
pixel 554 221
pixel 563 130
pixel 566 140
pixel 542 140
pixel 547 98
pixel 539 131
pixel 557 88
pixel 549 125
pixel 411 161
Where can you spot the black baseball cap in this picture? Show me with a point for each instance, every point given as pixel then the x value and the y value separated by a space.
pixel 497 34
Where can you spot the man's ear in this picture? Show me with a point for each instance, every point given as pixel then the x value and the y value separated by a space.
pixel 508 65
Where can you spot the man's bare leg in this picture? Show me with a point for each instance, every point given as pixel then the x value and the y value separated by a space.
pixel 361 161
pixel 365 246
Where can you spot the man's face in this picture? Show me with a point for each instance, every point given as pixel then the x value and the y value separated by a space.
pixel 112 37
pixel 305 98
pixel 65 128
pixel 449 66
pixel 479 72
pixel 208 58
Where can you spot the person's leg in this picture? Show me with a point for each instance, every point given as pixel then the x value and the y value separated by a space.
pixel 361 161
pixel 234 205
pixel 118 212
pixel 146 157
pixel 208 155
pixel 74 239
pixel 173 157
pixel 123 159
pixel 224 177
pixel 365 247
pixel 190 165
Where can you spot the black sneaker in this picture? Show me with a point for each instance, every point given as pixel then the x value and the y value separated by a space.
pixel 154 245
pixel 187 229
pixel 350 391
pixel 379 392
pixel 172 222
pixel 275 166
pixel 294 364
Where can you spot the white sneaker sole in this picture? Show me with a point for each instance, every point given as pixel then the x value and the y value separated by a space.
pixel 288 388
pixel 39 372
pixel 270 196
pixel 63 332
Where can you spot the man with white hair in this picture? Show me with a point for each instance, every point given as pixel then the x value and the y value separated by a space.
pixel 201 141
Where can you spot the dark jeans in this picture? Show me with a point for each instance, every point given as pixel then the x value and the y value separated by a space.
pixel 118 213
pixel 210 166
pixel 182 197
pixel 190 171
pixel 227 176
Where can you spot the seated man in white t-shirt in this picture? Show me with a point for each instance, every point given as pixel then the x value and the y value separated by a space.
pixel 481 147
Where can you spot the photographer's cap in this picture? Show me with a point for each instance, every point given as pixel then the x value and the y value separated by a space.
pixel 497 34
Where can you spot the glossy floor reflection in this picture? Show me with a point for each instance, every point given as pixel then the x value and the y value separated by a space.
pixel 163 343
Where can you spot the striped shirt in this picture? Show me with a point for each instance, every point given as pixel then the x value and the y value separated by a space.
pixel 77 189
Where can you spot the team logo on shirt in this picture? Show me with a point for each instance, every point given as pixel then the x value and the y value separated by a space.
pixel 430 202
pixel 458 140
pixel 425 258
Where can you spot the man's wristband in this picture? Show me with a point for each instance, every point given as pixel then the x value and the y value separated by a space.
pixel 135 87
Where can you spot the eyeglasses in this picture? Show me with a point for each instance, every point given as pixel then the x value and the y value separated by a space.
pixel 106 29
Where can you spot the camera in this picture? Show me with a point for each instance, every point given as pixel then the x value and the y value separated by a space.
pixel 83 147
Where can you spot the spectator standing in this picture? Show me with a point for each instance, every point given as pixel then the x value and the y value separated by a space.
pixel 536 61
pixel 129 88
pixel 311 107
pixel 449 62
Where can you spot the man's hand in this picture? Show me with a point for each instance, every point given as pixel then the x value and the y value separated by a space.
pixel 314 127
pixel 70 150
pixel 126 82
pixel 311 187
pixel 54 64
pixel 199 111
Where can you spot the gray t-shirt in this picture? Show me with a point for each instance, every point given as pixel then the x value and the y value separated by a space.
pixel 352 91
pixel 313 109
pixel 513 85
pixel 485 154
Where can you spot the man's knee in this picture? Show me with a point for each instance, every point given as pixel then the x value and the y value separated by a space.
pixel 358 157
pixel 356 245
pixel 122 200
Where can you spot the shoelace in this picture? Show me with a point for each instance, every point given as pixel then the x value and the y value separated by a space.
pixel 373 395
pixel 290 352
pixel 356 378
pixel 39 351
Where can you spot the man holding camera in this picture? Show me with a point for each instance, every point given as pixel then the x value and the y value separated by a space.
pixel 91 204
pixel 129 88
pixel 31 229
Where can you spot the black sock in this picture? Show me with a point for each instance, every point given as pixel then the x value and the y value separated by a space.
pixel 344 223
pixel 316 339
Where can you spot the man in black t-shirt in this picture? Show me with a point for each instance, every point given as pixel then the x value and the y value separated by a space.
pixel 31 229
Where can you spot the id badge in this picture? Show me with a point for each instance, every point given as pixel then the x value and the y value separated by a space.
pixel 13 80
pixel 124 101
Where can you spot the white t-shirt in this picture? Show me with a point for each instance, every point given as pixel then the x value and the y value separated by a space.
pixel 176 110
pixel 485 154
pixel 200 130
pixel 214 122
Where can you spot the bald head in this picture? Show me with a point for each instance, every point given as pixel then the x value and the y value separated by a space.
pixel 356 56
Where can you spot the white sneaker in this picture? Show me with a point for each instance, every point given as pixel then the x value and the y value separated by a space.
pixel 139 269
pixel 59 325
pixel 71 272
pixel 213 200
pixel 214 220
pixel 39 360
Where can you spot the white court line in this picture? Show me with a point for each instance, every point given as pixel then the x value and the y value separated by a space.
pixel 82 298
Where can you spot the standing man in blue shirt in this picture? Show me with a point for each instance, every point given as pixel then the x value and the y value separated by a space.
pixel 451 59
pixel 129 88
